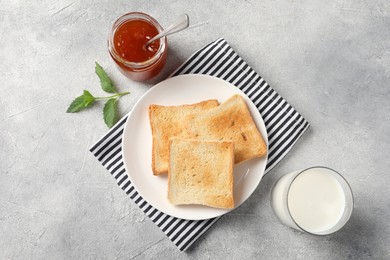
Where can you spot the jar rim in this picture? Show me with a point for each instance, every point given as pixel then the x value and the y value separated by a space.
pixel 136 16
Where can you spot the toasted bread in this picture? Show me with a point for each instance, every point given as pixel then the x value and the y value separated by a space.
pixel 167 122
pixel 230 121
pixel 201 172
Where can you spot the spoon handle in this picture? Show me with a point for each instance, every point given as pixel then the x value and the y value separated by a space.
pixel 180 24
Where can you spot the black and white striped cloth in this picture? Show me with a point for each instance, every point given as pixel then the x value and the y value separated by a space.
pixel 284 127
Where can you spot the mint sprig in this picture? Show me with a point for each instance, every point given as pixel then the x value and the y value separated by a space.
pixel 110 111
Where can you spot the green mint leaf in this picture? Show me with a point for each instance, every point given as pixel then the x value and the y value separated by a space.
pixel 105 81
pixel 89 99
pixel 110 112
pixel 81 102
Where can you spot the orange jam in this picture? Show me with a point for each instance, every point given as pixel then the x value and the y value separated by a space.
pixel 130 38
pixel 126 45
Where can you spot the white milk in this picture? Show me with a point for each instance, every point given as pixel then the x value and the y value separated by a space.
pixel 314 201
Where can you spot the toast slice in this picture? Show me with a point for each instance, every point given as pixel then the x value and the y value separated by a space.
pixel 167 122
pixel 201 172
pixel 230 121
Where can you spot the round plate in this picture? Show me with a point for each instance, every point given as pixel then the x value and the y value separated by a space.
pixel 137 144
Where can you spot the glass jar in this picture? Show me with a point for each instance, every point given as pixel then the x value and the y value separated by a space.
pixel 125 44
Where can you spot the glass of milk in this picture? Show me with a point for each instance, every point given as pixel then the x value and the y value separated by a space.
pixel 317 200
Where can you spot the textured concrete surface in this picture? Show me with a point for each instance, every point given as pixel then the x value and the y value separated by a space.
pixel 329 59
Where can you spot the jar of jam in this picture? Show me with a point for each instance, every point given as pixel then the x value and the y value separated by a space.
pixel 126 43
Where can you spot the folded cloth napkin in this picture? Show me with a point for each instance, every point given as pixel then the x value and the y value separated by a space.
pixel 284 127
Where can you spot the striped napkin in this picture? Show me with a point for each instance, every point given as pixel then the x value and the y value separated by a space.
pixel 284 127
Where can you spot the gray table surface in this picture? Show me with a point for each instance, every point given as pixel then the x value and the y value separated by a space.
pixel 329 59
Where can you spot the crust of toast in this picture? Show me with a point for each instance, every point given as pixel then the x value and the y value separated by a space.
pixel 201 172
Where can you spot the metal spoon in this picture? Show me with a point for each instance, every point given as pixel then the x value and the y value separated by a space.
pixel 180 24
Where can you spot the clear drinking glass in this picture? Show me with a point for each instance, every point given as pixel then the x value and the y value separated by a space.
pixel 316 200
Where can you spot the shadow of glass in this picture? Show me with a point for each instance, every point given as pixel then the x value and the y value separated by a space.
pixel 357 236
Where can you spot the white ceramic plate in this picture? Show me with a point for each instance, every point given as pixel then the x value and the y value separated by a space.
pixel 137 144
